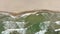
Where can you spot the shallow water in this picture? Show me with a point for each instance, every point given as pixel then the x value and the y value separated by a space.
pixel 30 23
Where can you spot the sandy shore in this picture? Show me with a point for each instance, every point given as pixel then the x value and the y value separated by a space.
pixel 15 13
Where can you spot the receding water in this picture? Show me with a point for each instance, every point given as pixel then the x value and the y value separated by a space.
pixel 30 23
pixel 11 26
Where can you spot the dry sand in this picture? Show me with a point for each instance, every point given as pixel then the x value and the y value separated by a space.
pixel 25 5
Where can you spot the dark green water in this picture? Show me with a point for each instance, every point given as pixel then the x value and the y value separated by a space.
pixel 40 23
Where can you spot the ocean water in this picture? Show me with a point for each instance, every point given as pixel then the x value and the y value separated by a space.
pixel 30 23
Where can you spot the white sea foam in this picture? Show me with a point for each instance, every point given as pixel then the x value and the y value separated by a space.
pixel 12 26
pixel 8 31
pixel 57 22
